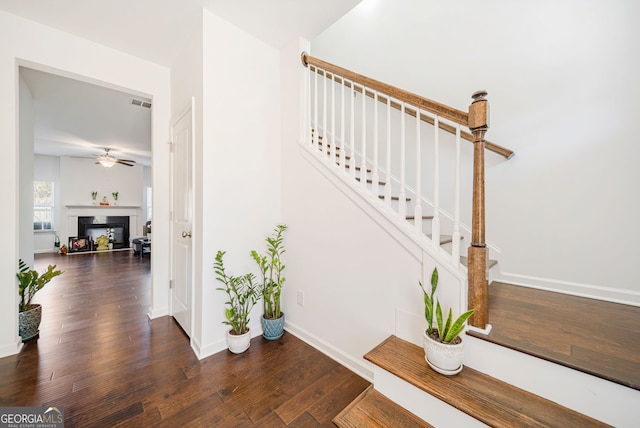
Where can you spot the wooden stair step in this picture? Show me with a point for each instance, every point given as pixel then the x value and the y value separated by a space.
pixel 372 409
pixel 357 168
pixel 371 181
pixel 394 198
pixel 490 263
pixel 491 401
pixel 445 239
pixel 424 217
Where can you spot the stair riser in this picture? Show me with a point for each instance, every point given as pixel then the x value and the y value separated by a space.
pixel 425 406
pixel 600 399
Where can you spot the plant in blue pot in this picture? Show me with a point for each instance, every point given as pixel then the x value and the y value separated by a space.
pixel 271 269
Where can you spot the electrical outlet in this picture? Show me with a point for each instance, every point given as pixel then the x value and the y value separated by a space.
pixel 300 298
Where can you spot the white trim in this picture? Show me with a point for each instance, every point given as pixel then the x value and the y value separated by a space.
pixel 11 349
pixel 615 295
pixel 157 313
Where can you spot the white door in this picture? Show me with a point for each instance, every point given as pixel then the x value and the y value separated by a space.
pixel 182 212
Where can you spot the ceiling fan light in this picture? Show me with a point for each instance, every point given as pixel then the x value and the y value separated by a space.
pixel 107 161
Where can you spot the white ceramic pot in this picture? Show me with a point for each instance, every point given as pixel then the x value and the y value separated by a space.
pixel 238 343
pixel 443 357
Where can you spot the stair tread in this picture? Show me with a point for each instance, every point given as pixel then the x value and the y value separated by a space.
pixel 445 239
pixel 424 217
pixel 490 263
pixel 381 183
pixel 394 198
pixel 479 395
pixel 371 408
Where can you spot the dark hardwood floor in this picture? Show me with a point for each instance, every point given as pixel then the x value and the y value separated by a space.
pixel 593 336
pixel 107 364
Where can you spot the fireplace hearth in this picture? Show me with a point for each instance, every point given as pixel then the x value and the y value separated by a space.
pixel 92 227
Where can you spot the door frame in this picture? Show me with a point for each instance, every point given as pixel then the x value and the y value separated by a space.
pixel 188 109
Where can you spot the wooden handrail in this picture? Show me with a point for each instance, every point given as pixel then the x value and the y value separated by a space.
pixel 337 73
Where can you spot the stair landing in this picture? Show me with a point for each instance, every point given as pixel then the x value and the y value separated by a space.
pixel 593 336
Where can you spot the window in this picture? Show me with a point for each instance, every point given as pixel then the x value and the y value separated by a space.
pixel 149 203
pixel 43 205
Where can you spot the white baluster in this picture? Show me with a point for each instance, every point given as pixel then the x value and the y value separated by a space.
pixel 342 124
pixel 402 202
pixel 363 140
pixel 418 207
pixel 455 249
pixel 332 146
pixel 352 136
pixel 314 142
pixel 375 179
pixel 325 140
pixel 435 223
pixel 387 184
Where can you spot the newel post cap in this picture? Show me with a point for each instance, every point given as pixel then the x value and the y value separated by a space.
pixel 479 111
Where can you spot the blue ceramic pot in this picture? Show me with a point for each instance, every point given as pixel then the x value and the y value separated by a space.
pixel 273 329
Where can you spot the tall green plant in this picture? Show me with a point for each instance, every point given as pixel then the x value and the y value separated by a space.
pixel 242 295
pixel 30 282
pixel 271 269
pixel 449 330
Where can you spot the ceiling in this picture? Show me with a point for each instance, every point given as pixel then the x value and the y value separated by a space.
pixel 154 30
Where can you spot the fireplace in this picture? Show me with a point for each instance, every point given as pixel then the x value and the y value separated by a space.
pixel 92 227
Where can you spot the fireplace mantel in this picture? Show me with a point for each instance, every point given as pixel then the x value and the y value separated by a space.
pixel 134 212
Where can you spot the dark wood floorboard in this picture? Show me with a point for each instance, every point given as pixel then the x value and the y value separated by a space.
pixel 101 358
pixel 596 337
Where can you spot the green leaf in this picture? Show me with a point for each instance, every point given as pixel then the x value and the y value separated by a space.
pixel 457 326
pixel 439 321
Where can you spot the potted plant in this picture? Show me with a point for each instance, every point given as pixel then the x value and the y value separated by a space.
pixel 242 295
pixel 29 283
pixel 271 269
pixel 443 345
pixel 115 197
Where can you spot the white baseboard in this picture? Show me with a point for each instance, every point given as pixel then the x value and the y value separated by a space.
pixel 157 313
pixel 615 295
pixel 11 349
pixel 361 367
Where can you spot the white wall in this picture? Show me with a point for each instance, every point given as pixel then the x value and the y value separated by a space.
pixel 239 184
pixel 40 47
pixel 563 96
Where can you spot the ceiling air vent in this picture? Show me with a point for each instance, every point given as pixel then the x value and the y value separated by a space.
pixel 140 103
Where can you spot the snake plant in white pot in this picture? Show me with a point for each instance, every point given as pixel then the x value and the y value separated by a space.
pixel 242 295
pixel 443 346
pixel 271 270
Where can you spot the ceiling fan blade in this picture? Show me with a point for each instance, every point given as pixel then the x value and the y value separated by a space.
pixel 124 163
pixel 127 160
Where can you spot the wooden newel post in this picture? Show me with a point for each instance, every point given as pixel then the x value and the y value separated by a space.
pixel 477 268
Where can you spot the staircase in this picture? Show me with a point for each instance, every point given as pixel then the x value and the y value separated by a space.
pixel 499 386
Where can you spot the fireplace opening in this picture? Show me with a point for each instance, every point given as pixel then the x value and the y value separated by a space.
pixel 93 227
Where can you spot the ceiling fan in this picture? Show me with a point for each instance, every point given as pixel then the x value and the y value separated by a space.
pixel 107 160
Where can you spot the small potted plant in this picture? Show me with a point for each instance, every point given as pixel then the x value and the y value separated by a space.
pixel 242 295
pixel 443 345
pixel 94 195
pixel 115 197
pixel 271 269
pixel 29 283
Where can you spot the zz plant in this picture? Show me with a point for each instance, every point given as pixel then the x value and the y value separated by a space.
pixel 242 295
pixel 271 270
pixel 446 332
pixel 30 282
